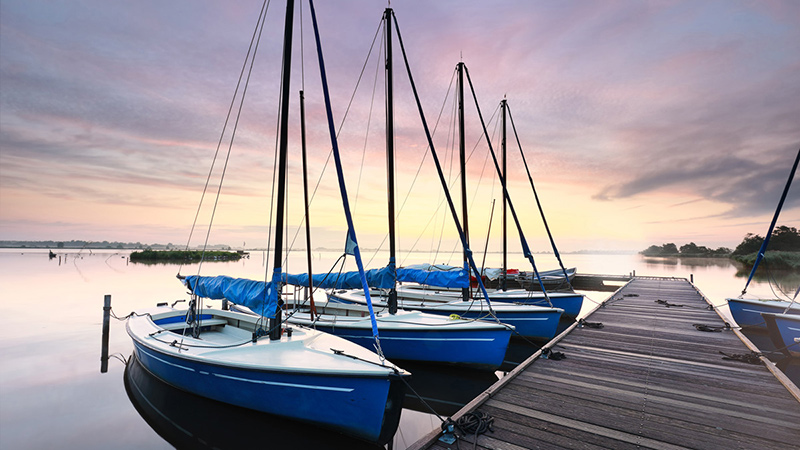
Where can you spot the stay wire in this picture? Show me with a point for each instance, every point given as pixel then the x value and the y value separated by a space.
pixel 261 18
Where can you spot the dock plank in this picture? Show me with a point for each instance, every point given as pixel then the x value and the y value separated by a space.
pixel 647 379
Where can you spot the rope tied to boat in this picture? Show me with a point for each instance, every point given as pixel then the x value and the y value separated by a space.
pixel 548 353
pixel 475 423
pixel 710 328
pixel 749 358
pixel 582 323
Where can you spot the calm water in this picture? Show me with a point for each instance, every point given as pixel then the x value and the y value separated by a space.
pixel 52 394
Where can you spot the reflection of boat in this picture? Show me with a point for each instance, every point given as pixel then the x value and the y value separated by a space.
pixel 444 389
pixel 784 331
pixel 531 321
pixel 747 312
pixel 253 361
pixel 189 421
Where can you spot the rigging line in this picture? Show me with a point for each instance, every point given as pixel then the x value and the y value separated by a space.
pixel 501 176
pixel 261 16
pixel 764 244
pixel 369 123
pixel 302 57
pixel 199 304
pixel 428 136
pixel 342 187
pixel 341 125
pixel 416 175
pixel 536 196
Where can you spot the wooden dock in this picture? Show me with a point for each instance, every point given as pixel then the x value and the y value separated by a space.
pixel 647 379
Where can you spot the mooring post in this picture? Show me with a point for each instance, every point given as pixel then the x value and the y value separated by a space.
pixel 106 318
pixel 691 278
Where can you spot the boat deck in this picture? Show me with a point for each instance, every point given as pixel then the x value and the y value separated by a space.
pixel 647 379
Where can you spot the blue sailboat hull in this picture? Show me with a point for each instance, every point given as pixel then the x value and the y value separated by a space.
pixel 286 394
pixel 784 331
pixel 461 348
pixel 571 304
pixel 747 312
pixel 530 321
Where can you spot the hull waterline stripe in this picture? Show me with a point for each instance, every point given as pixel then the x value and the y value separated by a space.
pixel 276 383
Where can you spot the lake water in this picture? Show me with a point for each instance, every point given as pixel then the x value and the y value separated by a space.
pixel 52 394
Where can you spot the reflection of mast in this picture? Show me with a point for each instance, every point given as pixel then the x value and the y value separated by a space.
pixel 387 17
pixel 283 138
pixel 463 167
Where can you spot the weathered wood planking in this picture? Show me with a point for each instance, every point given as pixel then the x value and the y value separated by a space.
pixel 647 379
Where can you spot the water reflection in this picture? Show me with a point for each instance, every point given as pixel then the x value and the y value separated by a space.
pixel 188 421
pixel 443 389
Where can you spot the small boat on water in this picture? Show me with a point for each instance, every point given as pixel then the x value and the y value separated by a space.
pixel 189 421
pixel 784 331
pixel 748 312
pixel 289 377
pixel 257 362
pixel 569 302
pixel 529 321
pixel 518 279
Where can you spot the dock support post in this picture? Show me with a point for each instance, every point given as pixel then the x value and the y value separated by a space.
pixel 106 318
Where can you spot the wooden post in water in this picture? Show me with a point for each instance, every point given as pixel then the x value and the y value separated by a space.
pixel 106 318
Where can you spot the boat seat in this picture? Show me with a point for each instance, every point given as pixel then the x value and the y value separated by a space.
pixel 203 323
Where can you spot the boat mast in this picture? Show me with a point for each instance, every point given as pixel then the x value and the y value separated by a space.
pixel 465 295
pixel 283 139
pixel 764 244
pixel 306 201
pixel 387 17
pixel 504 274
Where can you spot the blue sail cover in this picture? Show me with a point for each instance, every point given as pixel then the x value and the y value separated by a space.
pixel 435 275
pixel 259 296
pixel 376 278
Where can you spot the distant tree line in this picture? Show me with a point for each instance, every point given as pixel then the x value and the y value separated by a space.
pixel 784 239
pixel 73 244
pixel 690 249
pixel 783 251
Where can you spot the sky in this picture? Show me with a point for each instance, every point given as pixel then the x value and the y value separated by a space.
pixel 642 122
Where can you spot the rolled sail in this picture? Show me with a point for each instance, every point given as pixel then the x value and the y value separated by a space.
pixel 435 275
pixel 256 295
pixel 376 278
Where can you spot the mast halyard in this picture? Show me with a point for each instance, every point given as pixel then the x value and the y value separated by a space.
pixel 283 139
pixel 387 17
pixel 465 292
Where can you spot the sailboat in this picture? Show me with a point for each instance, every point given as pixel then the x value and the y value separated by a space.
pixel 569 302
pixel 529 321
pixel 758 314
pixel 405 335
pixel 256 362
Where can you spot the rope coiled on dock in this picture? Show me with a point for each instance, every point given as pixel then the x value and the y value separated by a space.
pixel 475 423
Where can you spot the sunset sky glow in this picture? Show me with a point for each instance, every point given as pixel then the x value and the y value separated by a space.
pixel 644 122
